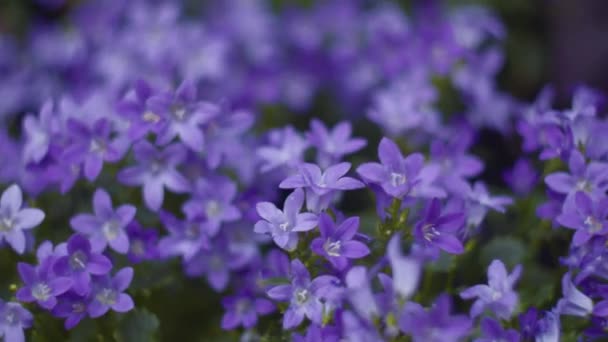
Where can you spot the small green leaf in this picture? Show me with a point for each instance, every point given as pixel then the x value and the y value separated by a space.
pixel 509 250
pixel 138 325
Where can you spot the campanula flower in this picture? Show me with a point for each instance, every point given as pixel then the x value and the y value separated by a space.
pixel 588 217
pixel 440 231
pixel 41 285
pixel 108 293
pixel 284 225
pixel 337 243
pixel 107 225
pixel 13 320
pixel 321 186
pixel 498 295
pixel 14 219
pixel 333 145
pixel 305 296
pixel 156 170
pixel 399 176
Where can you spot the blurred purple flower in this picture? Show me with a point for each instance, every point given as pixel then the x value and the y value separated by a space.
pixel 435 324
pixel 80 263
pixel 182 116
pixel 213 198
pixel 588 217
pixel 93 145
pixel 106 226
pixel 522 177
pixel 40 285
pixel 155 171
pixel 13 320
pixel 406 269
pixel 333 145
pixel 492 331
pixel 108 293
pixel 591 178
pixel 498 295
pixel 14 219
pixel 243 309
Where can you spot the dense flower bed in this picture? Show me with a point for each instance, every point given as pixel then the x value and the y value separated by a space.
pixel 164 178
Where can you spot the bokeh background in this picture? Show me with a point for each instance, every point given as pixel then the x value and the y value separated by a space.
pixel 558 42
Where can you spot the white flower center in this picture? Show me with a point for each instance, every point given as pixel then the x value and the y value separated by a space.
pixel 106 296
pixel 41 291
pixel 284 226
pixel 212 208
pixel 430 232
pixel 398 179
pixel 111 229
pixel 332 248
pixel 97 146
pixel 78 260
pixel 593 225
pixel 150 117
pixel 6 224
pixel 302 296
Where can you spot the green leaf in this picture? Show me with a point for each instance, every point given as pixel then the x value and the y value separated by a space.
pixel 138 325
pixel 508 249
pixel 85 331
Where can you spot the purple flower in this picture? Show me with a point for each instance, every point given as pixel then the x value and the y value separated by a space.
pixel 155 171
pixel 455 165
pixel 592 178
pixel 545 329
pixel 574 302
pixel 286 149
pixel 40 285
pixel 321 186
pixel 143 243
pixel 492 331
pixel 214 198
pixel 13 319
pixel 481 196
pixel 92 146
pixel 498 295
pixel 14 220
pixel 284 225
pixel 435 324
pixel 80 263
pixel 359 293
pixel 435 230
pixel 399 176
pixel 406 104
pixel 186 237
pixel 133 107
pixel 108 293
pixel 406 270
pixel 216 263
pixel 72 307
pixel 336 243
pixel 522 177
pixel 107 226
pixel 333 145
pixel 586 216
pixel 182 116
pixel 305 296
pixel 243 310
pixel 38 132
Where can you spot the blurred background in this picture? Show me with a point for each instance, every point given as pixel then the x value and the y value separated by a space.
pixel 562 42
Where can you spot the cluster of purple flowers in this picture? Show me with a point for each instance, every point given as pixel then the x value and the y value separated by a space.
pixel 258 215
pixel 577 198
